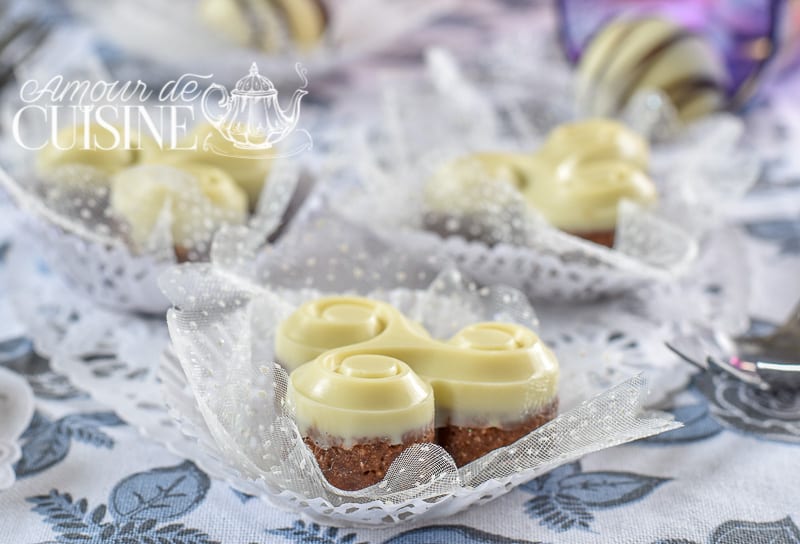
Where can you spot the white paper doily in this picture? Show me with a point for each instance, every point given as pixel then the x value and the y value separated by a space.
pixel 381 513
pixel 16 407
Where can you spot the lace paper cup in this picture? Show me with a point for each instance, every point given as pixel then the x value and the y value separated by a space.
pixel 497 236
pixel 80 237
pixel 224 389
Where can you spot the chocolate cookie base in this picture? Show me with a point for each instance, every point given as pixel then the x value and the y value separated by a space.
pixel 365 463
pixel 181 254
pixel 602 237
pixel 186 255
pixel 466 444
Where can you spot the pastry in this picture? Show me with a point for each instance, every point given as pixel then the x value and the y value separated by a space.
pixel 198 199
pixel 479 197
pixel 492 383
pixel 249 169
pixel 326 324
pixel 629 55
pixel 107 152
pixel 358 412
pixel 575 181
pixel 582 172
pixel 268 25
pixel 93 145
pixel 203 188
pixel 497 383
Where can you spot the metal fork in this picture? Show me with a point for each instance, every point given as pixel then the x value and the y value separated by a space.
pixel 768 362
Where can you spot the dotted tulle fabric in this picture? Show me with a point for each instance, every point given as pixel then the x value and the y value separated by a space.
pixel 223 386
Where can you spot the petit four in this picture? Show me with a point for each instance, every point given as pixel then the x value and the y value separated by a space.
pixel 629 55
pixel 583 170
pixel 203 188
pixel 269 25
pixel 92 145
pixel 491 384
pixel 248 169
pixel 199 199
pixel 499 384
pixel 358 412
pixel 575 181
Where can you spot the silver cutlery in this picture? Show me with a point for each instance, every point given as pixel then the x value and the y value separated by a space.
pixel 769 362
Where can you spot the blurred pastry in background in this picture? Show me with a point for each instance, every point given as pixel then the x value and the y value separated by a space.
pixel 194 200
pixel 499 385
pixel 134 188
pixel 94 145
pixel 478 197
pixel 248 169
pixel 630 55
pixel 575 181
pixel 106 150
pixel 754 43
pixel 268 25
pixel 583 171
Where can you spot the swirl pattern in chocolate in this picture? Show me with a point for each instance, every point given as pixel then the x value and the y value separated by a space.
pixel 488 374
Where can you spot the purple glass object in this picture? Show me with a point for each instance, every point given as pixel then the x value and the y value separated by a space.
pixel 745 32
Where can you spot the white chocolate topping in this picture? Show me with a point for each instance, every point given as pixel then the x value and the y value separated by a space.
pixel 325 324
pixel 199 200
pixel 256 26
pixel 487 374
pixel 594 139
pixel 306 21
pixel 363 396
pixel 89 145
pixel 575 180
pixel 370 366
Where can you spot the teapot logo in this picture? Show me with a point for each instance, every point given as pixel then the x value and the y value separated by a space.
pixel 250 119
pixel 247 122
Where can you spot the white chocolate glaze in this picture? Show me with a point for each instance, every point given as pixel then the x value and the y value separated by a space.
pixel 269 25
pixel 306 20
pixel 575 180
pixel 489 374
pixel 92 145
pixel 256 26
pixel 325 324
